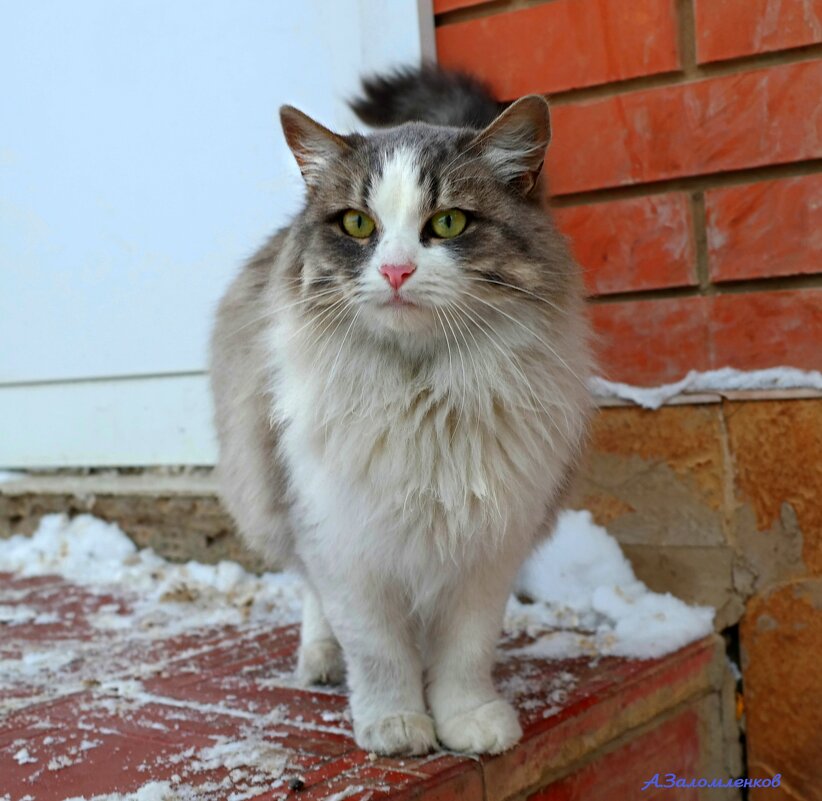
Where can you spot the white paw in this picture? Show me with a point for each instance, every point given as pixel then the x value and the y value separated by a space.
pixel 404 733
pixel 488 729
pixel 321 662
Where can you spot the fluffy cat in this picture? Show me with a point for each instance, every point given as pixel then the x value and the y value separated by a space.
pixel 399 381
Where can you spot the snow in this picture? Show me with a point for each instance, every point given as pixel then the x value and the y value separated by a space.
pixel 90 552
pixel 726 379
pixel 22 757
pixel 16 615
pixel 586 595
pixel 10 475
pixel 153 791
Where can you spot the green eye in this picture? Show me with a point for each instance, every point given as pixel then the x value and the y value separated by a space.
pixel 358 224
pixel 448 223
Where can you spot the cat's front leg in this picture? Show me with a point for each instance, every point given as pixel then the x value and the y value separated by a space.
pixel 379 642
pixel 320 660
pixel 470 715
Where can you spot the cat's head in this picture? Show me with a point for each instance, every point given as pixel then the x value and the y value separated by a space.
pixel 422 227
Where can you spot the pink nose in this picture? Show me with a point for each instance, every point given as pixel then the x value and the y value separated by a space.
pixel 397 274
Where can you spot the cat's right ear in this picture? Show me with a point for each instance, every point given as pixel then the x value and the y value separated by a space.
pixel 313 145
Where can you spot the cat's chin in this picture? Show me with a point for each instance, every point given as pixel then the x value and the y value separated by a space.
pixel 403 317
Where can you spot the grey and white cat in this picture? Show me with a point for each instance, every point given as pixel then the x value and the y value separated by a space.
pixel 399 379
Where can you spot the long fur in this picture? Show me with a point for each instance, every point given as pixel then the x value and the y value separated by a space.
pixel 406 458
pixel 426 94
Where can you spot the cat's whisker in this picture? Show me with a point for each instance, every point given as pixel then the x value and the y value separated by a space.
pixel 508 356
pixel 447 317
pixel 457 327
pixel 336 320
pixel 519 368
pixel 478 379
pixel 315 320
pixel 528 292
pixel 532 333
pixel 331 375
pixel 269 314
pixel 562 406
pixel 447 345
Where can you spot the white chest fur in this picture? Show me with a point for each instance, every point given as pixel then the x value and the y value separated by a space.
pixel 454 457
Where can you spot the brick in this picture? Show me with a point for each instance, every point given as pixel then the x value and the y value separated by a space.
pixel 776 447
pixel 781 637
pixel 757 330
pixel 765 229
pixel 749 119
pixel 631 245
pixel 732 28
pixel 651 342
pixel 563 45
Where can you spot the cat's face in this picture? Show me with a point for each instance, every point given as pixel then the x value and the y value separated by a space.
pixel 422 230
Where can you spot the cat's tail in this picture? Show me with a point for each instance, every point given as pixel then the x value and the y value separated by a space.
pixel 425 94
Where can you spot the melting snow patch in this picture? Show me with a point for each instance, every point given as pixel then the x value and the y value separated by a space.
pixel 23 757
pixel 169 597
pixel 153 791
pixel 16 615
pixel 586 595
pixel 36 663
pixel 253 762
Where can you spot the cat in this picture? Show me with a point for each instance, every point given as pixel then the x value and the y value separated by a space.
pixel 399 380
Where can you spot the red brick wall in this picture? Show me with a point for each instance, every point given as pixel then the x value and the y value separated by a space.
pixel 686 166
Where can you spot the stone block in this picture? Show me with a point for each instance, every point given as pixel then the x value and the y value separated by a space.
pixel 781 636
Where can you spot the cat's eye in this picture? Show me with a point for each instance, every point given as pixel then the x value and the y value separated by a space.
pixel 357 224
pixel 448 223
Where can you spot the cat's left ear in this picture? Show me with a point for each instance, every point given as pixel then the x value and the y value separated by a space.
pixel 314 146
pixel 514 143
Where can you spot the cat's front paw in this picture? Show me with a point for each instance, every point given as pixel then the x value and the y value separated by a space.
pixel 403 733
pixel 488 729
pixel 321 662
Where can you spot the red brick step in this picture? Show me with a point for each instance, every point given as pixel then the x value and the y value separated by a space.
pixel 217 709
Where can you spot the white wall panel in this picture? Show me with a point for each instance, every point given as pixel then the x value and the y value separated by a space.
pixel 141 161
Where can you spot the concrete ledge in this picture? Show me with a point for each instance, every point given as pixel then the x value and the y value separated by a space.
pixel 110 483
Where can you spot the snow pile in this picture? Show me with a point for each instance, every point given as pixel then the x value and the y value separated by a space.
pixel 726 379
pixel 168 597
pixel 585 591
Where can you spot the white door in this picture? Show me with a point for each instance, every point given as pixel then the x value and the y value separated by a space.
pixel 141 161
